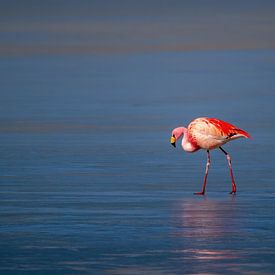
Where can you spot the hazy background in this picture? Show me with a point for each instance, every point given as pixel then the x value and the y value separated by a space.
pixel 91 27
pixel 90 91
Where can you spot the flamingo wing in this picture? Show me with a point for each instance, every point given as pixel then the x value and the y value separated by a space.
pixel 227 130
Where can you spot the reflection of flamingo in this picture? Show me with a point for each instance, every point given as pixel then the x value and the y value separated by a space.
pixel 201 223
pixel 208 133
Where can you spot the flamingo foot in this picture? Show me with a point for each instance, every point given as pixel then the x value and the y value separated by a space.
pixel 199 193
pixel 234 189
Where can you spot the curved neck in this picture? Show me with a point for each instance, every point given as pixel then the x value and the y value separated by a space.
pixel 178 132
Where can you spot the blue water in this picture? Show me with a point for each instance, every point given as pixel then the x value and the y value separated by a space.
pixel 91 185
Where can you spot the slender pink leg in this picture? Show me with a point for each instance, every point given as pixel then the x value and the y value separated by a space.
pixel 206 174
pixel 234 188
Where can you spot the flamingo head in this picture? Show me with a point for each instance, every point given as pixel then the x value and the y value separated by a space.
pixel 176 134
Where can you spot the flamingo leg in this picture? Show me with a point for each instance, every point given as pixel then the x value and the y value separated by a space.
pixel 234 188
pixel 206 174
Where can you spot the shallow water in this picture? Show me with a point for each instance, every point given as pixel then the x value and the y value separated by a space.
pixel 90 183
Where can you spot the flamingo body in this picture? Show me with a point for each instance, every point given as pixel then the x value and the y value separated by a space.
pixel 208 133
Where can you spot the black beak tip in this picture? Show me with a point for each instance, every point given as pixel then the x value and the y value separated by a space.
pixel 174 144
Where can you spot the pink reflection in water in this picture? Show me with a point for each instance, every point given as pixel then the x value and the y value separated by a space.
pixel 205 224
pixel 206 218
pixel 203 254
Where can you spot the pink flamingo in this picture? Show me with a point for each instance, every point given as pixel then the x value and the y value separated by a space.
pixel 208 133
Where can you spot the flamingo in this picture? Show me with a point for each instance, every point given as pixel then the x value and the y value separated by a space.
pixel 208 134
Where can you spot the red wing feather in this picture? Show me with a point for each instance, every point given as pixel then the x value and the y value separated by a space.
pixel 228 129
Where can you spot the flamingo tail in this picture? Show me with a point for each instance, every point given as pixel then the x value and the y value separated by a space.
pixel 241 132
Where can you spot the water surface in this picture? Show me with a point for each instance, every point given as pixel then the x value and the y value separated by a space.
pixel 90 183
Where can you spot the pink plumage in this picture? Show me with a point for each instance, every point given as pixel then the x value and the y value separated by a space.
pixel 208 133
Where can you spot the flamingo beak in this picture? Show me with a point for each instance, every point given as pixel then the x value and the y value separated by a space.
pixel 173 141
